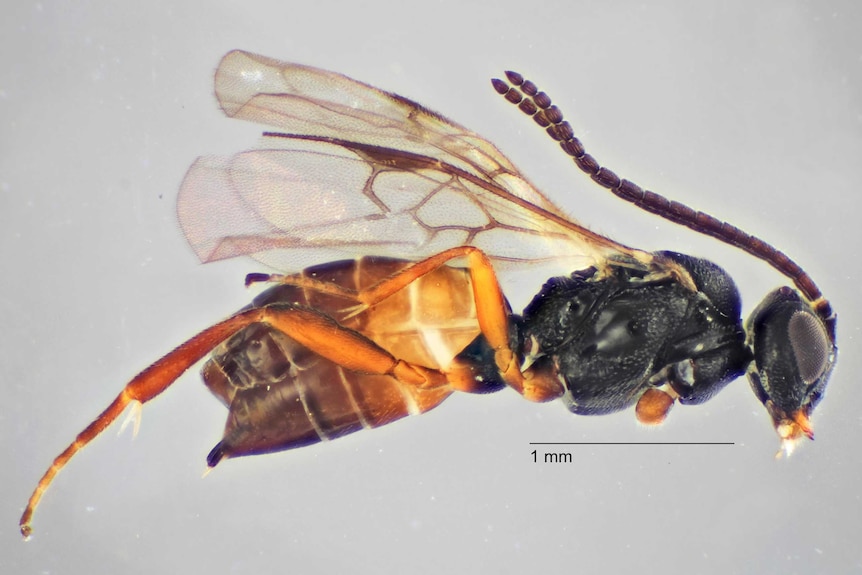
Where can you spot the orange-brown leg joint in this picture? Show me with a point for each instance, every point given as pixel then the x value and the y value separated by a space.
pixel 346 347
pixel 324 336
pixel 490 303
pixel 493 317
pixel 542 385
pixel 653 406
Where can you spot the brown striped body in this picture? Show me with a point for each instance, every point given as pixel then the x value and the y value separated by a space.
pixel 281 395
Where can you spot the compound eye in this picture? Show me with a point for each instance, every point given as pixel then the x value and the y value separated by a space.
pixel 810 344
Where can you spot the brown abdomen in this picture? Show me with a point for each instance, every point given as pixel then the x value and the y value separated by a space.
pixel 280 395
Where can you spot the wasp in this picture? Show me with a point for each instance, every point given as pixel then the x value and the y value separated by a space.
pixel 367 339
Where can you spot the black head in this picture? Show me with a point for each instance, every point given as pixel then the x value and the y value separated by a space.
pixel 794 349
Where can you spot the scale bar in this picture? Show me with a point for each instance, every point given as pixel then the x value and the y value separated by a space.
pixel 632 443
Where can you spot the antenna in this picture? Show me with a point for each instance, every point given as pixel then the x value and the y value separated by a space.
pixel 536 104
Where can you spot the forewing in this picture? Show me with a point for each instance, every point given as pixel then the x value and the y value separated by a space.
pixel 303 100
pixel 362 171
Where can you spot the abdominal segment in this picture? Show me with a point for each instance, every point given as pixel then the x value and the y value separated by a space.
pixel 281 395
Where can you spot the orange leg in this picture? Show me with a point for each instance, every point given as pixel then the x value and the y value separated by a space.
pixel 314 330
pixel 490 310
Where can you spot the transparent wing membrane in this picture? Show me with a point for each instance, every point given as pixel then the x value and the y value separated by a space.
pixel 362 171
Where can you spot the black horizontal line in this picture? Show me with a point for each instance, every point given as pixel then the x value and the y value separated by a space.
pixel 632 443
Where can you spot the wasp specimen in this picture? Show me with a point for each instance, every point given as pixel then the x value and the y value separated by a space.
pixel 358 343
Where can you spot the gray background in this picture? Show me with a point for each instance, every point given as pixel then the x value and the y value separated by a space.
pixel 750 111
